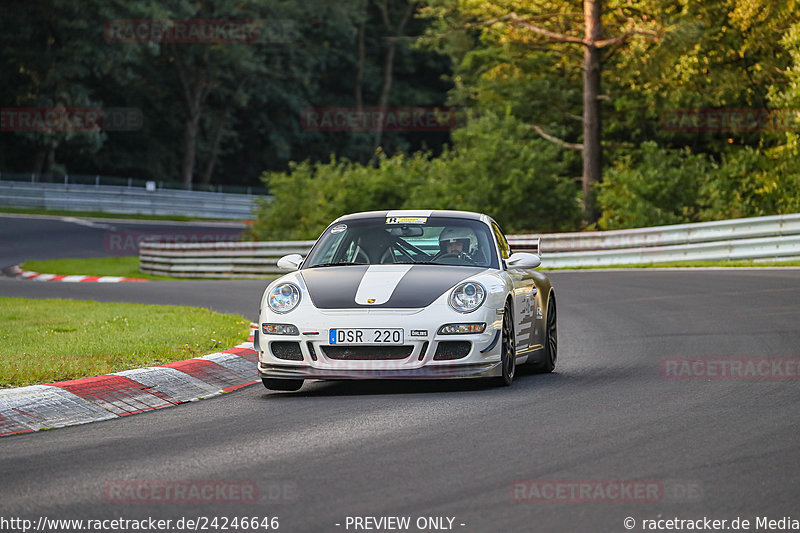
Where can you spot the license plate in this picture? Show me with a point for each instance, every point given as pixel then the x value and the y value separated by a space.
pixel 365 336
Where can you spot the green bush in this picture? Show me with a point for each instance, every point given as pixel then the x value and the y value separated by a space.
pixel 496 166
pixel 652 186
pixel 310 196
pixel 655 186
pixel 501 168
pixel 738 187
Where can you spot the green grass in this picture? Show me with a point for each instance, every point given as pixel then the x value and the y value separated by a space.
pixel 128 267
pixel 690 264
pixel 42 341
pixel 125 266
pixel 100 214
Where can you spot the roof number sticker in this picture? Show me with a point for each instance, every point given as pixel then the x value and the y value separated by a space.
pixel 406 220
pixel 338 229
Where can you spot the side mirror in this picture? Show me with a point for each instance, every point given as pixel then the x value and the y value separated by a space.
pixel 523 260
pixel 290 262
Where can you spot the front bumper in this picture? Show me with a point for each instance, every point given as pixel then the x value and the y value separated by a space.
pixel 305 351
pixel 312 358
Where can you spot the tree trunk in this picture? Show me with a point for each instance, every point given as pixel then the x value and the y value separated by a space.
pixel 205 179
pixel 189 149
pixel 217 138
pixel 388 62
pixel 592 149
pixel 38 161
pixel 195 90
pixel 361 55
pixel 383 101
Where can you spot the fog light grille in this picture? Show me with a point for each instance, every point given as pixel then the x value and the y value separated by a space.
pixel 449 350
pixel 287 350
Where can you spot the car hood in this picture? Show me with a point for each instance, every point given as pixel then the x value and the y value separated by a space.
pixel 381 286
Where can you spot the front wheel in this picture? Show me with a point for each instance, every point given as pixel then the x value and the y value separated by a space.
pixel 289 385
pixel 508 356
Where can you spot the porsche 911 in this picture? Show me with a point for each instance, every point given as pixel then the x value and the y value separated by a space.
pixel 407 295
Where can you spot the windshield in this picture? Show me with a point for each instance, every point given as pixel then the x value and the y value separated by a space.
pixel 403 241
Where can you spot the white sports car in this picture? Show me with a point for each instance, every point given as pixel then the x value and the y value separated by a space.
pixel 407 295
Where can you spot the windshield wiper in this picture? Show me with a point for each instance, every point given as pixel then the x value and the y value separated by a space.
pixel 435 263
pixel 342 263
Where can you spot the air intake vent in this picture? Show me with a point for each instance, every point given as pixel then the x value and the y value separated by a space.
pixel 423 351
pixel 367 352
pixel 449 350
pixel 311 350
pixel 287 350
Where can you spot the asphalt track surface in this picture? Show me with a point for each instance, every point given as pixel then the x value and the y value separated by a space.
pixel 721 448
pixel 25 238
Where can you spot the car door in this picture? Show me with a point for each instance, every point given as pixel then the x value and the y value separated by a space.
pixel 524 295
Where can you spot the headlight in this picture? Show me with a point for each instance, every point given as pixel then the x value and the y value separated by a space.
pixel 457 329
pixel 283 298
pixel 467 297
pixel 279 329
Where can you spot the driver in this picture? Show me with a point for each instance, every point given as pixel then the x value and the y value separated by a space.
pixel 456 241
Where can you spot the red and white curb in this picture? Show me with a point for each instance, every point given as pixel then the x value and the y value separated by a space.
pixel 80 401
pixel 36 276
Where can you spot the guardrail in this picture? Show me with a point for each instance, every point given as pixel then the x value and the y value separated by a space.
pixel 100 180
pixel 217 260
pixel 741 228
pixel 761 238
pixel 126 200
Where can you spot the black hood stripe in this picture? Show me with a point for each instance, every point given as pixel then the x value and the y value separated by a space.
pixel 336 287
pixel 332 287
pixel 423 284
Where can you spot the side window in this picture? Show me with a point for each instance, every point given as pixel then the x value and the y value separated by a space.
pixel 505 249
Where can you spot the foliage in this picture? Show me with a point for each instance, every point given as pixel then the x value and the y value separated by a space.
pixel 652 186
pixel 470 54
pixel 500 167
pixel 56 53
pixel 785 154
pixel 655 185
pixel 496 165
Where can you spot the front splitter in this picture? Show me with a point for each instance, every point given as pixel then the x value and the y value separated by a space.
pixel 474 370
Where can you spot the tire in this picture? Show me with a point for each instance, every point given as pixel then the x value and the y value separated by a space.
pixel 508 356
pixel 289 385
pixel 548 362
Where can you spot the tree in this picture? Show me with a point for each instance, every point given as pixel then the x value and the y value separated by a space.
pixel 393 33
pixel 549 26
pixel 49 59
pixel 496 166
